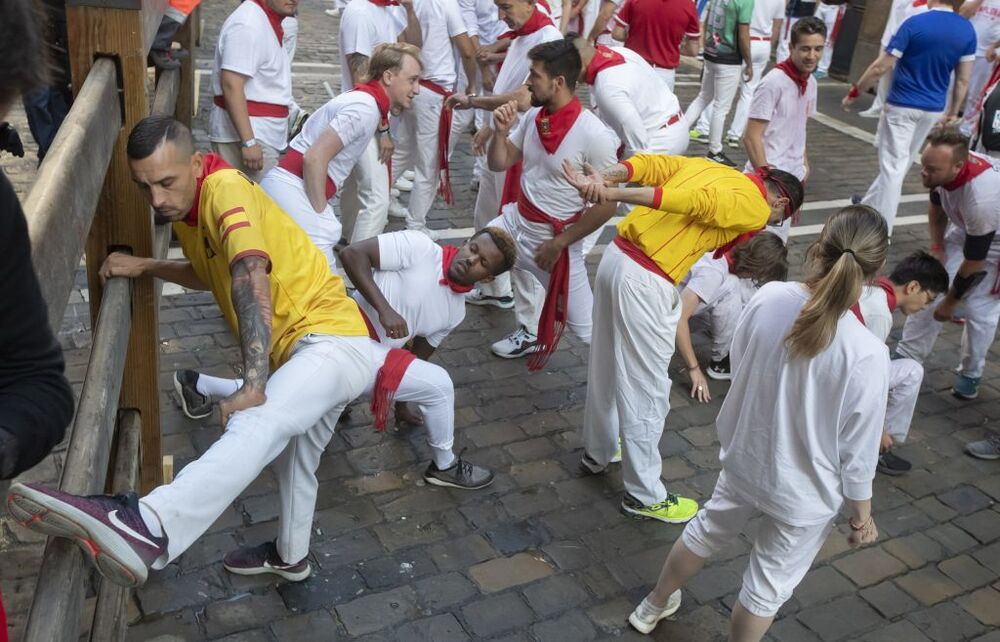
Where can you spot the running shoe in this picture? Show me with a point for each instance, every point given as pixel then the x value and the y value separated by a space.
pixel 721 158
pixel 889 463
pixel 672 510
pixel 589 466
pixel 646 616
pixel 264 559
pixel 698 137
pixel 720 369
pixel 734 142
pixel 194 404
pixel 966 387
pixel 398 210
pixel 475 296
pixel 988 448
pixel 519 343
pixel 461 474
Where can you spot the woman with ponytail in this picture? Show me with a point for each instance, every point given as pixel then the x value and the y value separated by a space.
pixel 799 429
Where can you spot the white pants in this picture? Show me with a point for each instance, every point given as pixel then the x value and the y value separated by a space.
pixel 232 153
pixel 364 198
pixel 902 131
pixel 672 139
pixel 323 229
pixel 905 376
pixel 982 310
pixel 828 14
pixel 781 553
pixel 531 282
pixel 981 71
pixel 760 53
pixel 720 321
pixel 628 388
pixel 668 76
pixel 304 398
pixel 881 91
pixel 718 86
pixel 785 38
pixel 417 149
pixel 487 209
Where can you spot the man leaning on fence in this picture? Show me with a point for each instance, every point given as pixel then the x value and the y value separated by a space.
pixel 292 316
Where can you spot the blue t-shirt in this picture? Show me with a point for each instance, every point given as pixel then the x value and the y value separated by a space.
pixel 929 47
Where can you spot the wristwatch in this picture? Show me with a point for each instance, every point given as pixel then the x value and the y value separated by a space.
pixel 250 142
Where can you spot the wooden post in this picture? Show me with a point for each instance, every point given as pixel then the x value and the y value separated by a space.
pixel 869 44
pixel 188 37
pixel 123 216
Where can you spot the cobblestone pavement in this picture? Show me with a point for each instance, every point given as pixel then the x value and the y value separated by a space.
pixel 544 554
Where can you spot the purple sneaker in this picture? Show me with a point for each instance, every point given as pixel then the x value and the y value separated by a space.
pixel 264 558
pixel 108 529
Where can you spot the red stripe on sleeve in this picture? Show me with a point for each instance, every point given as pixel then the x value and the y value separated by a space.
pixel 228 213
pixel 234 226
pixel 631 171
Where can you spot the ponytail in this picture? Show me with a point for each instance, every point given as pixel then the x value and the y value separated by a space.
pixel 850 250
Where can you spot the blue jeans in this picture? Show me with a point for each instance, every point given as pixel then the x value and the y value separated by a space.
pixel 46 108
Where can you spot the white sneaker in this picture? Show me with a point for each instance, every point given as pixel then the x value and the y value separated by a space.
pixel 871 112
pixel 733 142
pixel 646 616
pixel 475 296
pixel 474 184
pixel 393 192
pixel 398 210
pixel 404 184
pixel 519 343
pixel 409 174
pixel 333 13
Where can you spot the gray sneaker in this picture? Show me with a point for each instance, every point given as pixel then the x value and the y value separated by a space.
pixel 264 559
pixel 461 474
pixel 988 448
pixel 194 404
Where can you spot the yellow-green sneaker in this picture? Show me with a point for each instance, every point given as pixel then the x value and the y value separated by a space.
pixel 617 457
pixel 672 510
pixel 697 137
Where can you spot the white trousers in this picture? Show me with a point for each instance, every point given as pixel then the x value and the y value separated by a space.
pixel 530 281
pixel 720 322
pixel 668 76
pixel 232 153
pixel 718 86
pixel 417 149
pixel 781 553
pixel 628 388
pixel 981 71
pixel 324 229
pixel 828 14
pixel 905 376
pixel 304 398
pixel 902 132
pixel 487 210
pixel 785 38
pixel 760 53
pixel 364 197
pixel 982 310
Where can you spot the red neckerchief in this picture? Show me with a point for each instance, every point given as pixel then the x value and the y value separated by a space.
pixel 603 58
pixel 890 292
pixel 387 382
pixel 919 3
pixel 274 19
pixel 800 79
pixel 374 89
pixel 545 5
pixel 211 164
pixel 724 250
pixel 973 167
pixel 552 128
pixel 448 255
pixel 388 3
pixel 537 21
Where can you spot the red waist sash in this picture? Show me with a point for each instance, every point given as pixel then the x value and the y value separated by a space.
pixel 632 251
pixel 292 163
pixel 257 109
pixel 444 137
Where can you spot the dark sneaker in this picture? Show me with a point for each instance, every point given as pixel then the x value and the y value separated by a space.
pixel 108 529
pixel 194 404
pixel 966 387
pixel 892 464
pixel 856 199
pixel 475 296
pixel 461 474
pixel 590 466
pixel 719 157
pixel 720 369
pixel 263 559
pixel 519 343
pixel 988 448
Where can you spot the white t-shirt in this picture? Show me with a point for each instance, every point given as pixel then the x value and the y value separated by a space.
pixel 986 22
pixel 798 437
pixel 354 115
pixel 364 26
pixel 468 10
pixel 634 101
pixel 542 182
pixel 248 46
pixel 974 207
pixel 710 279
pixel 778 101
pixel 410 268
pixel 875 312
pixel 440 21
pixel 901 10
pixel 765 12
pixel 515 68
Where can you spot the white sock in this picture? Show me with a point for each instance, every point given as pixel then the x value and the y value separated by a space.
pixel 443 457
pixel 151 520
pixel 217 387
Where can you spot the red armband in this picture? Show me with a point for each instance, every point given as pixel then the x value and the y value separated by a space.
pixel 853 93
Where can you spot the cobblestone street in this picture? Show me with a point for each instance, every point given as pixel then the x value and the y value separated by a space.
pixel 544 554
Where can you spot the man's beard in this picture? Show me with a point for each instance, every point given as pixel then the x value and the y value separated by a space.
pixel 160 219
pixel 537 102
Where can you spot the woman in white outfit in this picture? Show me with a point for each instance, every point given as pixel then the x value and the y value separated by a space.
pixel 799 430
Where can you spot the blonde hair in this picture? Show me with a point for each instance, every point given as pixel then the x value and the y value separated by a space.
pixel 850 250
pixel 389 57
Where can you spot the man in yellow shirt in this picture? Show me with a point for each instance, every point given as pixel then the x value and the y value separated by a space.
pixel 291 314
pixel 684 207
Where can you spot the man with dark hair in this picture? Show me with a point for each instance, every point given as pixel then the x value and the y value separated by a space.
pixel 779 114
pixel 549 219
pixel 963 221
pixel 292 316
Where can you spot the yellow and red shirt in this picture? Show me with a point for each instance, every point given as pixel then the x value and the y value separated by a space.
pixel 234 218
pixel 701 205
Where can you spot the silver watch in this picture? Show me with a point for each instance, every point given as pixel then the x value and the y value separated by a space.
pixel 250 142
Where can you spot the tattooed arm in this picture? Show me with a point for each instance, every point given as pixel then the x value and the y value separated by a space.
pixel 251 294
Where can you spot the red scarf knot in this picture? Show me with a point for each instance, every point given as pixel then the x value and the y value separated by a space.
pixel 973 167
pixel 800 79
pixel 275 19
pixel 444 141
pixel 375 89
pixel 210 164
pixel 538 20
pixel 449 252
pixel 387 381
pixel 603 58
pixel 552 128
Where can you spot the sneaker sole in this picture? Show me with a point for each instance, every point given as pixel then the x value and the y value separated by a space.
pixel 635 514
pixel 106 549
pixel 981 456
pixel 646 629
pixel 493 302
pixel 434 481
pixel 890 471
pixel 719 376
pixel 587 469
pixel 963 396
pixel 179 389
pixel 287 575
pixel 523 353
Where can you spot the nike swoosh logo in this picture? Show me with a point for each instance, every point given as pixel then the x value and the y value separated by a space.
pixel 120 525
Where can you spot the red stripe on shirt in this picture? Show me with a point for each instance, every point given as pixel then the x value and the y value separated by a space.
pixel 234 226
pixel 244 254
pixel 228 213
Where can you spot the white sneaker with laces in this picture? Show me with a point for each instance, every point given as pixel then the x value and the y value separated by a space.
pixel 475 296
pixel 398 210
pixel 333 13
pixel 404 184
pixel 645 617
pixel 870 113
pixel 519 343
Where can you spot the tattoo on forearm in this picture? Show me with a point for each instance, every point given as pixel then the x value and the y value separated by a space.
pixel 358 66
pixel 251 294
pixel 617 173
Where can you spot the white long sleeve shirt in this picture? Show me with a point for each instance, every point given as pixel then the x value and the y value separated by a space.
pixel 798 437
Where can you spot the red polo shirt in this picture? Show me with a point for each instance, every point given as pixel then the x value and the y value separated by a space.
pixel 656 28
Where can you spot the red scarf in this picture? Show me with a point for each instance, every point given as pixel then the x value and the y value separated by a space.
pixel 603 58
pixel 632 251
pixel 511 185
pixel 275 21
pixel 375 89
pixel 448 255
pixel 890 298
pixel 537 21
pixel 552 128
pixel 444 138
pixel 385 3
pixel 211 163
pixel 724 250
pixel 800 79
pixel 3 622
pixel 387 383
pixel 972 168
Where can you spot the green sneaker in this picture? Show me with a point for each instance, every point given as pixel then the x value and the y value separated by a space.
pixel 672 510
pixel 697 137
pixel 617 457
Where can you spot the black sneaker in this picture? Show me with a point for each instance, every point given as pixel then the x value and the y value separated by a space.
pixel 720 369
pixel 194 404
pixel 719 157
pixel 856 199
pixel 461 474
pixel 892 464
pixel 263 559
pixel 589 466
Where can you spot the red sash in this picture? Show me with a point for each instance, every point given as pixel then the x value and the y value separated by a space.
pixel 292 163
pixel 387 381
pixel 444 136
pixel 257 109
pixel 632 251
pixel 511 185
pixel 553 319
pixel 603 58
